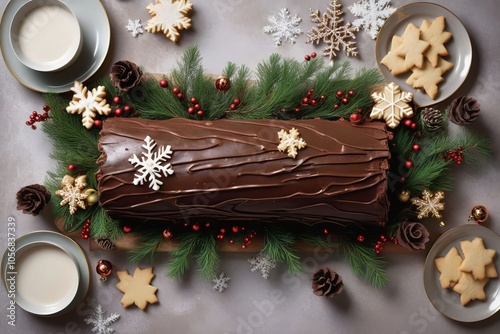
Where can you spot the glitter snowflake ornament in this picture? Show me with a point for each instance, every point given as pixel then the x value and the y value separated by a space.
pixel 290 142
pixel 134 27
pixel 430 203
pixel 169 16
pixel 372 15
pixel 392 105
pixel 332 30
pixel 151 164
pixel 72 193
pixel 88 103
pixel 100 322
pixel 220 282
pixel 263 264
pixel 283 27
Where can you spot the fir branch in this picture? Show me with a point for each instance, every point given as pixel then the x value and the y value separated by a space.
pixel 364 263
pixel 187 67
pixel 181 257
pixel 207 256
pixel 279 246
pixel 147 247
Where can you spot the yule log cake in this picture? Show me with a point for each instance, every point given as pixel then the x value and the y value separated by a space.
pixel 232 170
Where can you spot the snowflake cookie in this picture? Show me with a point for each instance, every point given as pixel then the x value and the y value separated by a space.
pixel 332 30
pixel 290 142
pixel 88 103
pixel 169 16
pixel 392 105
pixel 283 27
pixel 137 289
pixel 73 193
pixel 372 15
pixel 151 164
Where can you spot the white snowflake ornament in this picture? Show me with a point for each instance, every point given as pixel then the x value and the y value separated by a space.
pixel 100 323
pixel 283 27
pixel 134 27
pixel 151 164
pixel 88 103
pixel 372 15
pixel 290 142
pixel 392 105
pixel 220 282
pixel 263 264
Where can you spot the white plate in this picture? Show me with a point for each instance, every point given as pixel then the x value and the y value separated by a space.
pixel 63 242
pixel 446 300
pixel 459 48
pixel 96 34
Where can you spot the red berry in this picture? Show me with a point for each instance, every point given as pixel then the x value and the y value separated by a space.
pixel 415 147
pixel 176 90
pixel 297 109
pixel 313 55
pixel 222 230
pixel 117 100
pixel 336 106
pixel 355 117
pixel 314 102
pixel 34 113
pixel 325 231
pixel 408 164
pixel 235 229
pixel 28 123
pixel 127 229
pixel 127 109
pixel 361 238
pixel 350 92
pixel 163 83
pixel 340 93
pixel 71 167
pixel 413 125
pixel 283 110
pixel 345 100
pixel 33 127
pixel 407 122
pixel 118 112
pixel 45 116
pixel 233 106
pixel 180 96
pixel 305 100
pixel 195 227
pixel 207 224
pixel 322 97
pixel 197 106
pixel 191 110
pixel 46 108
pixel 236 101
pixel 307 57
pixel 85 236
pixel 193 100
pixel 98 123
pixel 231 241
pixel 199 113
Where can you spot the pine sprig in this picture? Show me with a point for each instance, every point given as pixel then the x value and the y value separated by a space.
pixel 207 256
pixel 279 246
pixel 181 257
pixel 146 251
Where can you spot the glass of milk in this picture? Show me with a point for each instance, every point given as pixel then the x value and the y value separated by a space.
pixel 45 35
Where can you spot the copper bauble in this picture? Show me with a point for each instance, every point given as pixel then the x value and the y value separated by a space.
pixel 479 213
pixel 222 83
pixel 404 196
pixel 104 268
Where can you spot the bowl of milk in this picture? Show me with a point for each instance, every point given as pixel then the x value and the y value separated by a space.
pixel 45 35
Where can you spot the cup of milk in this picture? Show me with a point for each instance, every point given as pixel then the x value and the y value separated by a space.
pixel 45 35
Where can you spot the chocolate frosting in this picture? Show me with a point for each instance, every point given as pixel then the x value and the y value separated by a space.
pixel 231 170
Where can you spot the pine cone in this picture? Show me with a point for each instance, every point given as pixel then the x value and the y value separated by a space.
pixel 32 199
pixel 105 243
pixel 327 283
pixel 433 119
pixel 125 75
pixel 464 110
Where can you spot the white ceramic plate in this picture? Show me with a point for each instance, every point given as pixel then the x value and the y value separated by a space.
pixel 96 34
pixel 71 248
pixel 459 48
pixel 446 300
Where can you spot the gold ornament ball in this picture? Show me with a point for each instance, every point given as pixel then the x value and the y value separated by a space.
pixel 404 196
pixel 92 197
pixel 479 214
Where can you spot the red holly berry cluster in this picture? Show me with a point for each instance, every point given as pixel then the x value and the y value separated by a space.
pixel 177 91
pixel 195 108
pixel 36 117
pixel 85 234
pixel 236 103
pixel 247 240
pixel 308 57
pixel 456 155
pixel 344 97
pixel 379 245
pixel 308 100
pixel 120 111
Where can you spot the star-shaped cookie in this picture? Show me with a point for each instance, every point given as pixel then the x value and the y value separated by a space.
pixel 435 35
pixel 470 288
pixel 412 48
pixel 137 289
pixel 476 257
pixel 448 267
pixel 394 62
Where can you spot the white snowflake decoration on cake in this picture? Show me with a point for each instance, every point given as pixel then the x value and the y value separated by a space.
pixel 263 264
pixel 151 164
pixel 88 103
pixel 100 323
pixel 220 282
pixel 372 15
pixel 283 27
pixel 290 142
pixel 134 27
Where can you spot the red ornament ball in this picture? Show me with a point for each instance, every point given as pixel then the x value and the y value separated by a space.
pixel 163 83
pixel 104 268
pixel 408 164
pixel 167 234
pixel 127 229
pixel 222 83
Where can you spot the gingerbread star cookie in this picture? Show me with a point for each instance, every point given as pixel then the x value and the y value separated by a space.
pixel 476 257
pixel 137 289
pixel 470 288
pixel 412 48
pixel 394 62
pixel 169 16
pixel 435 35
pixel 448 266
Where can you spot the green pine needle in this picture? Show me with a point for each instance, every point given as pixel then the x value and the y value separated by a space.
pixel 207 256
pixel 146 251
pixel 279 246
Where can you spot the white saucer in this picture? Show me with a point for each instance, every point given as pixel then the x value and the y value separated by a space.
pixel 96 33
pixel 70 247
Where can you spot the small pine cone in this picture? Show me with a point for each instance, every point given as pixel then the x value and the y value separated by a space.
pixel 327 283
pixel 464 110
pixel 105 243
pixel 433 119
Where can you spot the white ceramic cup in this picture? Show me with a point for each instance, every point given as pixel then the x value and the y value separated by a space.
pixel 45 35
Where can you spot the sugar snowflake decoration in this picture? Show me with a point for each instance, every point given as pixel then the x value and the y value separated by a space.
pixel 430 203
pixel 134 27
pixel 332 30
pixel 262 263
pixel 100 322
pixel 290 142
pixel 151 164
pixel 169 16
pixel 283 27
pixel 392 105
pixel 372 15
pixel 88 103
pixel 72 193
pixel 220 282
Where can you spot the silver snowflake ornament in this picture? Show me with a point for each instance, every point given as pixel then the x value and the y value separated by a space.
pixel 100 322
pixel 134 27
pixel 283 27
pixel 263 264
pixel 152 164
pixel 372 15
pixel 220 282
